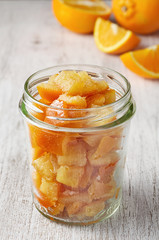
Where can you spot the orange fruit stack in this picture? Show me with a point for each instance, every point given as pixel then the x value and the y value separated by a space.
pixel 86 16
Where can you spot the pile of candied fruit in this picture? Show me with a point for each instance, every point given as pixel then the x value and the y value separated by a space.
pixel 73 173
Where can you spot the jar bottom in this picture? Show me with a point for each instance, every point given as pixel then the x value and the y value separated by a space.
pixel 103 215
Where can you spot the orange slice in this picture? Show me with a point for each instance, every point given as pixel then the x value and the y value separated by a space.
pixel 144 62
pixel 110 38
pixel 80 15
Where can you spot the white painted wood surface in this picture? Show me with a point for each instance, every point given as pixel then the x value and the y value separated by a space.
pixel 31 39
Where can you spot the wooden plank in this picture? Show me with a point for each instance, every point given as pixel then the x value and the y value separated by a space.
pixel 31 39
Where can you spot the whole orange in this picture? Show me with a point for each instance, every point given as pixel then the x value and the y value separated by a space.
pixel 141 16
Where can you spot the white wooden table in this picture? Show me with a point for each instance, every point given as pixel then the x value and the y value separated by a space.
pixel 31 39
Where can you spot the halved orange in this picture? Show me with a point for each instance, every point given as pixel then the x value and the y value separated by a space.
pixel 110 38
pixel 144 62
pixel 80 15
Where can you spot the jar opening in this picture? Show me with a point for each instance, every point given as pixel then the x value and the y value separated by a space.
pixel 97 118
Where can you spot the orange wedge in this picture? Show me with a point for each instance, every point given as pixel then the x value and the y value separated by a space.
pixel 110 38
pixel 144 62
pixel 80 15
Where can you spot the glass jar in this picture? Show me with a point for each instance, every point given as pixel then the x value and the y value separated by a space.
pixel 77 156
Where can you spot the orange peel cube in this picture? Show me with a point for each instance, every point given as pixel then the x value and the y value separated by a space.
pixel 110 96
pixel 117 132
pixel 40 110
pixel 74 154
pixel 106 173
pixel 56 209
pixel 74 208
pixel 52 113
pixel 99 160
pixel 50 189
pixel 36 179
pixel 42 199
pixel 69 197
pixel 37 152
pixel 92 140
pixel 90 86
pixel 96 99
pixel 70 176
pixel 49 141
pixel 99 190
pixel 44 165
pixel 91 209
pixel 86 178
pixel 68 81
pixel 77 101
pixel 55 116
pixel 102 116
pixel 105 146
pixel 48 91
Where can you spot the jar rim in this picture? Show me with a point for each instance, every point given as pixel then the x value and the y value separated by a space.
pixel 80 65
pixel 37 122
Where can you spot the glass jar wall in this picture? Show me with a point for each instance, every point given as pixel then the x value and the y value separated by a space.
pixel 77 155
